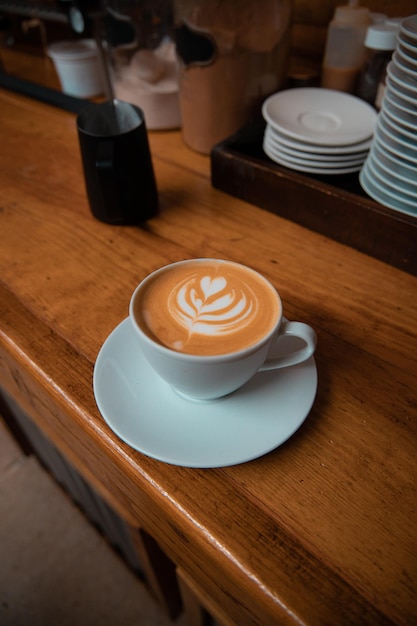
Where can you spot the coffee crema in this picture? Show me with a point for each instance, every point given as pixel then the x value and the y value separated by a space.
pixel 207 307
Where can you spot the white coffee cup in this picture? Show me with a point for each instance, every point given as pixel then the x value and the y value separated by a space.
pixel 78 68
pixel 206 326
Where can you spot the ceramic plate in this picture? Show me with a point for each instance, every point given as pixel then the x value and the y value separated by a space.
pixel 398 128
pixel 389 161
pixel 394 191
pixel 404 65
pixel 148 415
pixel 395 140
pixel 312 147
pixel 407 59
pixel 407 186
pixel 409 27
pixel 407 84
pixel 377 194
pixel 408 161
pixel 321 116
pixel 409 120
pixel 391 142
pixel 334 157
pixel 401 190
pixel 399 91
pixel 310 169
pixel 405 106
pixel 315 162
pixel 405 48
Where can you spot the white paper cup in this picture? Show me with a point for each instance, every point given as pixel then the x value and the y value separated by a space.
pixel 77 65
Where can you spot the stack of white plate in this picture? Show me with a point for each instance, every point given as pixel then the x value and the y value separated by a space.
pixel 320 131
pixel 389 174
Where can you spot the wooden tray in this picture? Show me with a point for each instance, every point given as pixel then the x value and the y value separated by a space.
pixel 335 206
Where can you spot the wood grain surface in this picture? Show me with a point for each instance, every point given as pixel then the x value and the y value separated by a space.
pixel 320 531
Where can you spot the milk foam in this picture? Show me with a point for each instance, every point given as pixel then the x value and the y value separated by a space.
pixel 207 307
pixel 210 306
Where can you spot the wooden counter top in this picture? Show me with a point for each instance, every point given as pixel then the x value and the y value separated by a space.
pixel 320 531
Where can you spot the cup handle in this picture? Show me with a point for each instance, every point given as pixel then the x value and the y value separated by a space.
pixel 105 170
pixel 295 329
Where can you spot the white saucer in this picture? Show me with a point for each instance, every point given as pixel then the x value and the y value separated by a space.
pixel 401 82
pixel 398 91
pixel 405 48
pixel 400 165
pixel 394 142
pixel 394 191
pixel 405 78
pixel 399 102
pixel 303 146
pixel 409 120
pixel 397 127
pixel 404 65
pixel 380 196
pixel 301 159
pixel 390 179
pixel 148 415
pixel 403 54
pixel 407 45
pixel 409 27
pixel 340 158
pixel 322 116
pixel 310 169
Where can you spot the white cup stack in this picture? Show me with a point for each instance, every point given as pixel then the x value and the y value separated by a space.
pixel 319 131
pixel 389 174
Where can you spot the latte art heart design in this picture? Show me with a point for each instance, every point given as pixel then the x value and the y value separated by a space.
pixel 208 306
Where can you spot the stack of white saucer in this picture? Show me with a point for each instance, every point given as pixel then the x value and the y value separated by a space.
pixel 319 131
pixel 389 174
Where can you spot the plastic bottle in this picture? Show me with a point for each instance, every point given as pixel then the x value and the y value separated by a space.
pixel 380 42
pixel 345 52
